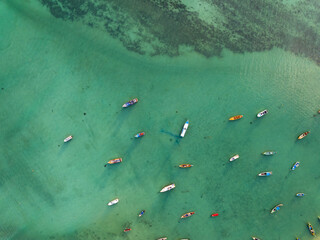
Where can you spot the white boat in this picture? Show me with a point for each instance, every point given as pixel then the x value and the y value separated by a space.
pixel 162 238
pixel 184 129
pixel 168 188
pixel 113 202
pixel 262 113
pixel 234 158
pixel 67 139
pixel 265 174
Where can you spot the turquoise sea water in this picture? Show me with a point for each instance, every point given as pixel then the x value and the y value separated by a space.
pixel 54 71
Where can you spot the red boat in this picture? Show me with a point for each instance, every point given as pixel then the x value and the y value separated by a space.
pixel 214 214
pixel 127 230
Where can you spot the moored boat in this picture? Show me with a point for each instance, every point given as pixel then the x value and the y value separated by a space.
pixel 313 233
pixel 164 238
pixel 295 165
pixel 141 213
pixel 184 129
pixel 187 214
pixel 131 102
pixel 185 165
pixel 303 135
pixel 262 113
pixel 113 202
pixel 268 153
pixel 214 214
pixel 234 157
pixel 168 188
pixel 127 230
pixel 265 174
pixel 300 194
pixel 276 208
pixel 235 117
pixel 113 161
pixel 67 139
pixel 255 238
pixel 139 135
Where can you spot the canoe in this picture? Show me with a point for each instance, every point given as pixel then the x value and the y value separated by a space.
pixel 255 238
pixel 262 113
pixel 127 230
pixel 313 233
pixel 141 213
pixel 234 157
pixel 168 188
pixel 268 153
pixel 276 208
pixel 303 135
pixel 265 174
pixel 131 102
pixel 214 214
pixel 184 129
pixel 187 214
pixel 67 139
pixel 113 202
pixel 116 160
pixel 295 165
pixel 139 135
pixel 300 194
pixel 185 165
pixel 235 117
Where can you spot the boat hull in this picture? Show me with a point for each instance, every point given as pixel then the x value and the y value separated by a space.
pixel 184 129
pixel 313 233
pixel 235 117
pixel 268 153
pixel 189 214
pixel 276 208
pixel 130 103
pixel 116 160
pixel 168 188
pixel 185 166
pixel 214 214
pixel 265 174
pixel 234 158
pixel 303 135
pixel 300 194
pixel 113 202
pixel 295 165
pixel 139 135
pixel 262 113
pixel 67 139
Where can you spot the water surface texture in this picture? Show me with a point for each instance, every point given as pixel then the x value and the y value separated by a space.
pixel 68 66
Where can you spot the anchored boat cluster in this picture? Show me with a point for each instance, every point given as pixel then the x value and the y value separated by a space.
pixel 233 158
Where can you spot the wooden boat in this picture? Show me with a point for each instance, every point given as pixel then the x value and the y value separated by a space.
pixel 262 113
pixel 300 194
pixel 234 157
pixel 141 213
pixel 276 208
pixel 139 135
pixel 214 214
pixel 127 230
pixel 295 165
pixel 168 188
pixel 164 238
pixel 185 165
pixel 184 129
pixel 313 233
pixel 255 238
pixel 113 161
pixel 303 135
pixel 235 117
pixel 67 139
pixel 265 174
pixel 187 214
pixel 113 202
pixel 131 102
pixel 268 153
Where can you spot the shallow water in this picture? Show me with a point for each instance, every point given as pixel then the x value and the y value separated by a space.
pixel 60 78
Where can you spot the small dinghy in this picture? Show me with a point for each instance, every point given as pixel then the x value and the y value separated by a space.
pixel 131 102
pixel 300 194
pixel 214 214
pixel 303 135
pixel 185 165
pixel 67 139
pixel 113 161
pixel 184 129
pixel 162 238
pixel 127 230
pixel 313 233
pixel 295 165
pixel 276 208
pixel 189 214
pixel 234 158
pixel 235 117
pixel 113 202
pixel 168 188
pixel 265 174
pixel 268 153
pixel 255 238
pixel 262 113
pixel 141 213
pixel 139 135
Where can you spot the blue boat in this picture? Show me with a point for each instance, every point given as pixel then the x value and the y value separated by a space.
pixel 297 164
pixel 139 135
pixel 131 102
pixel 300 194
pixel 142 212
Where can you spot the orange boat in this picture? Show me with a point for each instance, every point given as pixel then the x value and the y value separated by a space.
pixel 187 214
pixel 113 161
pixel 235 117
pixel 185 165
pixel 303 135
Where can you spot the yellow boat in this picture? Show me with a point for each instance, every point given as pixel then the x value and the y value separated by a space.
pixel 235 117
pixel 187 214
pixel 185 165
pixel 313 233
pixel 113 161
pixel 303 135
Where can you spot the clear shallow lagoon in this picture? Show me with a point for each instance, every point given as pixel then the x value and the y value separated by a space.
pixel 52 72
